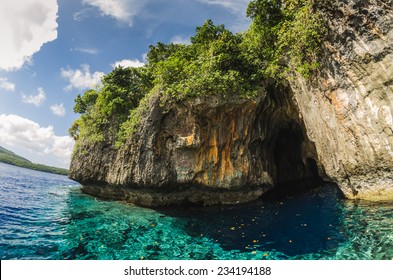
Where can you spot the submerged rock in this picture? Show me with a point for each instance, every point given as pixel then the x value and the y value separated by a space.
pixel 338 126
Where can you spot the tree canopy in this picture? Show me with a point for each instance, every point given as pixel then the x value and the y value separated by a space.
pixel 284 38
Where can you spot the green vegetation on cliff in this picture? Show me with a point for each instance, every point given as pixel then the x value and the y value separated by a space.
pixel 104 110
pixel 285 36
pixel 9 157
pixel 283 39
pixel 212 64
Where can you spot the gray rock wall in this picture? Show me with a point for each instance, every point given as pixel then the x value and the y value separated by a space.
pixel 347 109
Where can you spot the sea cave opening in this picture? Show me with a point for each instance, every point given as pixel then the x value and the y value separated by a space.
pixel 295 166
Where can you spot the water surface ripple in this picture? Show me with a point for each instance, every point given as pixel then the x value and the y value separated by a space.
pixel 45 216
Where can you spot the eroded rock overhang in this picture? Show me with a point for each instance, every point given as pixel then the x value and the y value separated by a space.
pixel 209 150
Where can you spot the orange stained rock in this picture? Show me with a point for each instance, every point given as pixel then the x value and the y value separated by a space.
pixel 337 105
pixel 339 108
pixel 212 155
pixel 213 161
pixel 189 140
pixel 233 132
pixel 226 167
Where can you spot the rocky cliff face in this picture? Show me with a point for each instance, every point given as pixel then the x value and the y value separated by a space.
pixel 347 110
pixel 210 150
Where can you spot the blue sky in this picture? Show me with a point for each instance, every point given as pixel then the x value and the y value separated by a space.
pixel 52 50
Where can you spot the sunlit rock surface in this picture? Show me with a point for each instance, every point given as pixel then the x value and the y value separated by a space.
pixel 226 150
pixel 347 109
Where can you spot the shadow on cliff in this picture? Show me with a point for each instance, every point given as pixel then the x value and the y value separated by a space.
pixel 293 224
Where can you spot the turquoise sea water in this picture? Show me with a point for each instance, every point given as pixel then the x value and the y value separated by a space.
pixel 45 216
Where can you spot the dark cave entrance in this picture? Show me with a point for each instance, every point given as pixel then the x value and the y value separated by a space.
pixel 295 166
pixel 282 154
pixel 287 153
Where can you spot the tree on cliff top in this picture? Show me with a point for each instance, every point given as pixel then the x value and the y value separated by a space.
pixel 284 38
pixel 104 110
pixel 212 64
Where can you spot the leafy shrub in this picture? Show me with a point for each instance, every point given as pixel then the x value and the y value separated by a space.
pixel 284 38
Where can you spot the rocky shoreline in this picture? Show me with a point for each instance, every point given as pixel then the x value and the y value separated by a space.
pixel 187 195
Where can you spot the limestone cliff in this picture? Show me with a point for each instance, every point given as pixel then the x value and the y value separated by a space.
pixel 208 150
pixel 347 109
pixel 338 125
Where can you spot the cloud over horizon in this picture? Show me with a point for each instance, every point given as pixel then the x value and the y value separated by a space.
pixel 25 26
pixel 38 141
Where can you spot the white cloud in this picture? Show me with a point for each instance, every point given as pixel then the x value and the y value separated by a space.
pixel 85 50
pixel 83 14
pixel 121 10
pixel 144 57
pixel 35 100
pixel 125 11
pixel 128 63
pixel 58 110
pixel 82 78
pixel 5 84
pixel 25 25
pixel 236 6
pixel 178 39
pixel 39 142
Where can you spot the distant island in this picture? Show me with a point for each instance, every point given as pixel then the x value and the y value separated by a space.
pixel 9 157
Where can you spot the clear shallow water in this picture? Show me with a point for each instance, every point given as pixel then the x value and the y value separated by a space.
pixel 45 216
